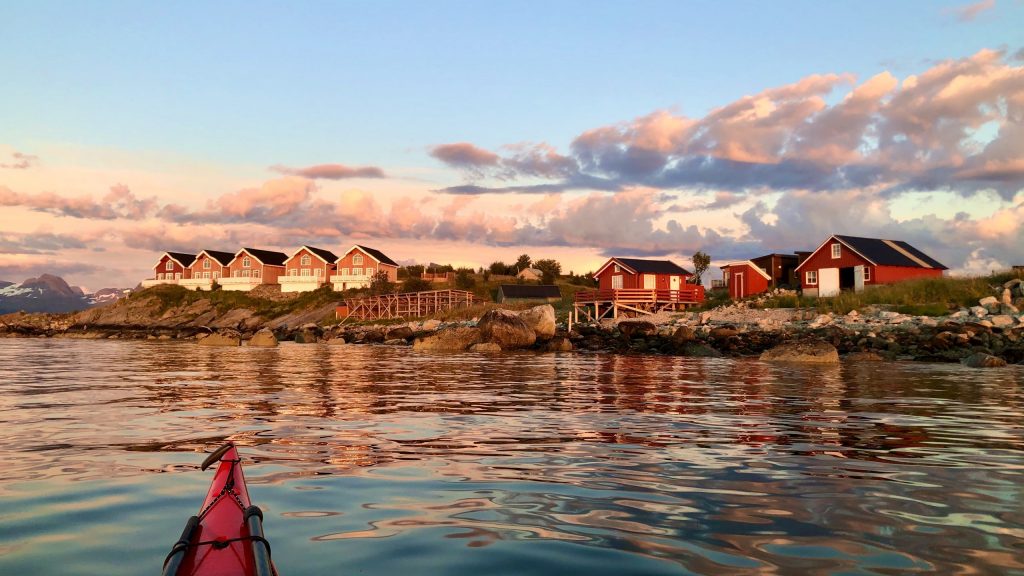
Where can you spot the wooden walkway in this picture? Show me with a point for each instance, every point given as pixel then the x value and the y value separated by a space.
pixel 596 305
pixel 406 304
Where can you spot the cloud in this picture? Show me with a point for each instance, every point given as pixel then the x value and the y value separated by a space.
pixel 331 171
pixel 17 269
pixel 40 242
pixel 120 202
pixel 955 126
pixel 21 161
pixel 969 12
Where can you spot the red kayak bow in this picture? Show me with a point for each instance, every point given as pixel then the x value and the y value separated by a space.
pixel 226 538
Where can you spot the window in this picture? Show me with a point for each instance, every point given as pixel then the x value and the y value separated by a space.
pixel 357 259
pixel 177 275
pixel 304 261
pixel 160 276
pixel 616 282
pixel 245 262
pixel 812 277
pixel 318 272
pixel 206 275
pixel 256 273
pixel 206 264
pixel 344 271
pixel 305 271
pixel 617 269
pixel 293 272
pixel 867 274
pixel 216 275
pixel 169 265
pixel 357 271
pixel 836 250
pixel 245 273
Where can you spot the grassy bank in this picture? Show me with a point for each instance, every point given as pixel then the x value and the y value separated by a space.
pixel 224 300
pixel 924 297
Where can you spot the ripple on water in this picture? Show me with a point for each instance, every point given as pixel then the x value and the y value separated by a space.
pixel 381 459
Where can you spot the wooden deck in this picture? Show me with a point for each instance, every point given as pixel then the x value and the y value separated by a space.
pixel 599 304
pixel 406 304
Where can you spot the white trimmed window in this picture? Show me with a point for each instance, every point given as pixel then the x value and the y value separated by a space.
pixel 837 251
pixel 357 259
pixel 357 271
pixel 245 273
pixel 177 275
pixel 169 265
pixel 616 269
pixel 304 261
pixel 216 275
pixel 206 275
pixel 246 262
pixel 867 274
pixel 318 272
pixel 305 272
pixel 616 282
pixel 160 276
pixel 344 271
pixel 207 264
pixel 293 272
pixel 256 273
pixel 812 277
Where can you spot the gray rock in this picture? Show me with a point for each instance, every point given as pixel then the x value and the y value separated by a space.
pixel 431 324
pixel 684 334
pixel 263 339
pixel 979 311
pixel 803 352
pixel 982 360
pixel 506 329
pixel 1001 321
pixel 1007 299
pixel 723 332
pixel 455 339
pixel 698 350
pixel 989 302
pixel 540 319
pixel 403 332
pixel 221 339
pixel 485 347
pixel 559 345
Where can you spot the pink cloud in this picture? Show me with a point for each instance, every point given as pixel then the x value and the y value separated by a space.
pixel 969 12
pixel 331 171
pixel 120 202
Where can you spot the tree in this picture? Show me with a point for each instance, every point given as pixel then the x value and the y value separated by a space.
pixel 412 271
pixel 701 261
pixel 550 269
pixel 464 279
pixel 416 284
pixel 523 262
pixel 380 283
pixel 498 268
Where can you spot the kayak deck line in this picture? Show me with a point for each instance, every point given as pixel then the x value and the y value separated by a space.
pixel 223 539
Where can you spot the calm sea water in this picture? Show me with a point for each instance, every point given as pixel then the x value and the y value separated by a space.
pixel 379 460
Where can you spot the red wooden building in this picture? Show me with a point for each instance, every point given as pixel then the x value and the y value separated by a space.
pixel 208 268
pixel 853 263
pixel 358 266
pixel 252 267
pixel 625 273
pixel 172 267
pixel 307 269
pixel 745 278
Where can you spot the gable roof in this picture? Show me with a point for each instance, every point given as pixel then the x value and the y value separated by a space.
pixel 267 257
pixel 750 264
pixel 325 255
pixel 529 291
pixel 881 252
pixel 223 258
pixel 532 270
pixel 182 258
pixel 639 266
pixel 373 253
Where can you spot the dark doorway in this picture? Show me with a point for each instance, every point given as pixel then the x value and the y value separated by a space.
pixel 846 276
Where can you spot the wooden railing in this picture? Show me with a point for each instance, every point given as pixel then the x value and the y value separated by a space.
pixel 690 294
pixel 406 304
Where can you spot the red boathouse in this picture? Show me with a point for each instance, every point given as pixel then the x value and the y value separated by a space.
pixel 853 263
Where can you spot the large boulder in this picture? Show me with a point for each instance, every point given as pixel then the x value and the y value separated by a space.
pixel 505 329
pixel 263 339
pixel 540 319
pixel 403 332
pixel 306 337
pixel 982 360
pixel 630 328
pixel 803 352
pixel 684 334
pixel 454 339
pixel 221 339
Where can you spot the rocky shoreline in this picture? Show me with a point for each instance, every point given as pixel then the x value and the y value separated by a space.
pixel 990 334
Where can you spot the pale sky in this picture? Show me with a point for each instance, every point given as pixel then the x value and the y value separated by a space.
pixel 468 132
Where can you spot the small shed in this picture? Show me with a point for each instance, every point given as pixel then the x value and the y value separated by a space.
pixel 528 293
pixel 530 274
pixel 745 279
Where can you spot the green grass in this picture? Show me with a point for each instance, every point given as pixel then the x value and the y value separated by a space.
pixel 922 297
pixel 171 296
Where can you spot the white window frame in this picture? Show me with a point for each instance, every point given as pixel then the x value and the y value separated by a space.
pixel 293 272
pixel 169 265
pixel 305 261
pixel 357 271
pixel 344 271
pixel 246 273
pixel 255 272
pixel 207 264
pixel 616 269
pixel 617 280
pixel 206 275
pixel 812 277
pixel 318 272
pixel 246 263
pixel 160 276
pixel 177 275
pixel 837 250
pixel 867 274
pixel 357 259
pixel 216 274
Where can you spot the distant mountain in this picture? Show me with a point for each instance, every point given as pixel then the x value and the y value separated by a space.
pixel 49 293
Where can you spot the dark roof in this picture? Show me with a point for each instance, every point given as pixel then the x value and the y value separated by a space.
pixel 325 254
pixel 882 254
pixel 224 258
pixel 377 254
pixel 268 256
pixel 185 259
pixel 529 291
pixel 653 266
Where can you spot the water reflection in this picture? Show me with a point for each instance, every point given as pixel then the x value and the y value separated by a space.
pixel 651 464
